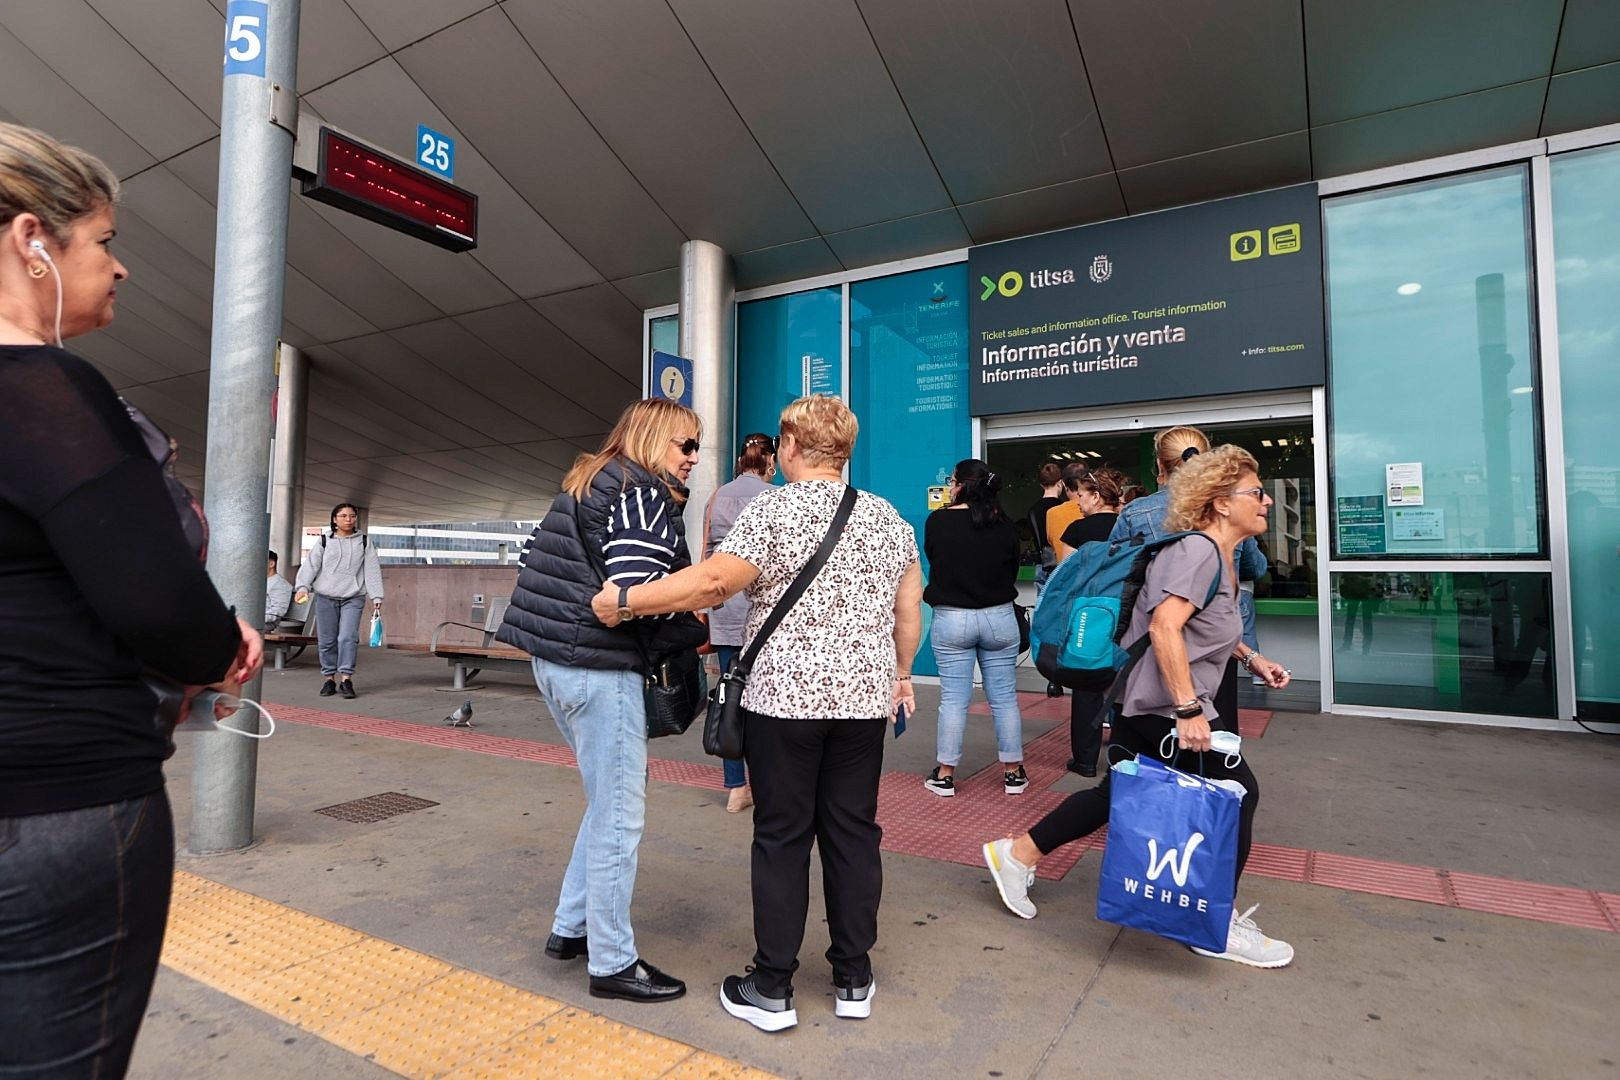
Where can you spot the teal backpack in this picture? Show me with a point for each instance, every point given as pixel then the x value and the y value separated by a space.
pixel 1085 609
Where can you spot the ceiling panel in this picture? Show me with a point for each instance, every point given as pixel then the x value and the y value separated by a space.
pixel 182 39
pixel 522 335
pixel 149 279
pixel 381 415
pixel 924 234
pixel 1025 118
pixel 788 262
pixel 602 321
pixel 168 205
pixel 1488 118
pixel 1078 202
pixel 382 105
pixel 399 22
pixel 1179 77
pixel 517 467
pixel 460 353
pixel 32 94
pixel 543 146
pixel 557 453
pixel 651 290
pixel 123 365
pixel 348 272
pixel 655 102
pixel 1376 55
pixel 107 71
pixel 812 88
pixel 332 41
pixel 359 371
pixel 1590 35
pixel 133 328
pixel 182 326
pixel 1230 170
pixel 313 309
pixel 1582 99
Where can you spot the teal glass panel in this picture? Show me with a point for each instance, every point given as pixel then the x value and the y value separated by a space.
pixel 908 363
pixel 1476 643
pixel 664 336
pixel 1586 238
pixel 787 346
pixel 1433 370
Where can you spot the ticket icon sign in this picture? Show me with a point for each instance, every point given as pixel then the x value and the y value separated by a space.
pixel 1246 245
pixel 1282 239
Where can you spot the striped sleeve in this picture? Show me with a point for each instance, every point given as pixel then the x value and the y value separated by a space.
pixel 640 538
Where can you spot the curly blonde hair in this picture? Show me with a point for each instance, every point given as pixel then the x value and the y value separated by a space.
pixel 1202 479
pixel 824 429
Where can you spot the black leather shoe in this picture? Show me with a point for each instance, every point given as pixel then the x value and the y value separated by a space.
pixel 1054 690
pixel 566 948
pixel 638 982
pixel 346 688
pixel 1081 770
pixel 328 688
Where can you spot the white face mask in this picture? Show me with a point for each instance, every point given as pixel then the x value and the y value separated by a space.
pixel 201 717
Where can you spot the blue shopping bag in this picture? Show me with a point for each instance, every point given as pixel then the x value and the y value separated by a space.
pixel 1171 861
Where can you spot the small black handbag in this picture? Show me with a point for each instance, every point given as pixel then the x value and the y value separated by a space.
pixel 723 726
pixel 1021 613
pixel 674 693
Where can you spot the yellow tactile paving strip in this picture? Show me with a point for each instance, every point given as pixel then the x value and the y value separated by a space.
pixel 404 1010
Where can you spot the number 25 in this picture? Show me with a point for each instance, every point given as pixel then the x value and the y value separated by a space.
pixel 435 153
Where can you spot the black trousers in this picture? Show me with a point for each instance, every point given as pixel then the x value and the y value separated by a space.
pixel 1085 727
pixel 1226 698
pixel 815 781
pixel 1084 812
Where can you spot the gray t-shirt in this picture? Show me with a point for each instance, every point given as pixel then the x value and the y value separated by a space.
pixel 1185 569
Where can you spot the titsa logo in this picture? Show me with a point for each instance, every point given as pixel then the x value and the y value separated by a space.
pixel 1012 282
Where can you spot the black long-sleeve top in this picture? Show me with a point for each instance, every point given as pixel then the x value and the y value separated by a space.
pixel 97 583
pixel 968 567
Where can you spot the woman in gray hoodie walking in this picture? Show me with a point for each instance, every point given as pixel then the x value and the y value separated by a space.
pixel 341 570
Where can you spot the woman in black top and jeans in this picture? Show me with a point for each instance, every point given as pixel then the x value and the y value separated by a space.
pixel 972 550
pixel 101 587
pixel 1098 492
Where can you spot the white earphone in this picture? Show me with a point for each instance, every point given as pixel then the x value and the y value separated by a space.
pixel 38 248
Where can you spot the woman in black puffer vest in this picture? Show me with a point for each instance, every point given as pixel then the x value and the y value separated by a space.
pixel 617 518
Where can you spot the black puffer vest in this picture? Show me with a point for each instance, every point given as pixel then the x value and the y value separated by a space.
pixel 550 615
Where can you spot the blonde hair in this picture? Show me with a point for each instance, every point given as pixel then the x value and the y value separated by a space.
pixel 1197 484
pixel 1171 445
pixel 642 435
pixel 824 429
pixel 57 183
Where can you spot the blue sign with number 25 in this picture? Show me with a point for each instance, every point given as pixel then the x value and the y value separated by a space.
pixel 244 37
pixel 435 152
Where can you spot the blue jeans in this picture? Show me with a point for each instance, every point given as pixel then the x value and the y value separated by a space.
pixel 84 897
pixel 735 772
pixel 337 625
pixel 988 636
pixel 603 720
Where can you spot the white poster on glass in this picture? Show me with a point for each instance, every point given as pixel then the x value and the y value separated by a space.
pixel 1403 483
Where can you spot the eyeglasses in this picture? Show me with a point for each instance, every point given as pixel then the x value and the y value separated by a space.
pixel 1257 492
pixel 688 446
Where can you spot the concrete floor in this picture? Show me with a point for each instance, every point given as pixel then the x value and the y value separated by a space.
pixel 1381 987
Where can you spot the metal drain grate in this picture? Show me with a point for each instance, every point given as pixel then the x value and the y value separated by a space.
pixel 376 807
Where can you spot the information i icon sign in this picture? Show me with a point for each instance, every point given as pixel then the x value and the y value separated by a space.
pixel 672 377
pixel 435 152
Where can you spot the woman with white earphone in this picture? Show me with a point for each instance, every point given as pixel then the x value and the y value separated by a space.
pixel 88 642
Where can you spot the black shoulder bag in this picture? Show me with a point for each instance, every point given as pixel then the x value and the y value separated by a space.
pixel 723 727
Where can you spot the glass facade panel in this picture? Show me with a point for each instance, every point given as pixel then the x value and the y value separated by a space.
pixel 1586 238
pixel 908 362
pixel 1432 367
pixel 787 346
pixel 664 336
pixel 1477 643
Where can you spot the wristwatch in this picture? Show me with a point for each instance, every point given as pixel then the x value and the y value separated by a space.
pixel 625 614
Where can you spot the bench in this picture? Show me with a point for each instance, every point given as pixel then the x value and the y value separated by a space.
pixel 288 640
pixel 466 661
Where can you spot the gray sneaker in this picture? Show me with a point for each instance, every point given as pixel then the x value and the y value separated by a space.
pixel 1247 944
pixel 854 1002
pixel 742 999
pixel 1012 878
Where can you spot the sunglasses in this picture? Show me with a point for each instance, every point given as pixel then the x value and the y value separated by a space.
pixel 688 446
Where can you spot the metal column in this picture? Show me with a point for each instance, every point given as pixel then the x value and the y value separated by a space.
pixel 287 480
pixel 708 315
pixel 258 120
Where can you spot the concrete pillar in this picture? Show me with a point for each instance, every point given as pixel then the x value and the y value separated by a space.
pixel 287 482
pixel 708 318
pixel 258 118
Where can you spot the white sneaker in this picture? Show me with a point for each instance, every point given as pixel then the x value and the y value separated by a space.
pixel 1246 944
pixel 854 1002
pixel 1012 878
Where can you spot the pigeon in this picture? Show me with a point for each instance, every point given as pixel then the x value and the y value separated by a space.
pixel 462 717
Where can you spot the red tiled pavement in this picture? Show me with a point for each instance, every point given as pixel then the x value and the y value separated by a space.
pixel 917 822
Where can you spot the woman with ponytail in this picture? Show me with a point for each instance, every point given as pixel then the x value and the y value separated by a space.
pixel 972 549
